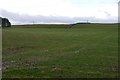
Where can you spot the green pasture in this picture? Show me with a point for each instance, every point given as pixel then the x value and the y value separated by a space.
pixel 57 51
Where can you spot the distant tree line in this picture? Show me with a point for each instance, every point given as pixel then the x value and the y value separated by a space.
pixel 71 25
pixel 4 22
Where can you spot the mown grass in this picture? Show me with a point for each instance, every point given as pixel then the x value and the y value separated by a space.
pixel 56 51
pixel 0 53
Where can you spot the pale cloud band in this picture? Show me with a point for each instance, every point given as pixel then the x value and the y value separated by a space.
pixel 16 18
pixel 59 11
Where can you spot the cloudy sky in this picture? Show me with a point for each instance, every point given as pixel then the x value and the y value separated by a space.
pixel 59 11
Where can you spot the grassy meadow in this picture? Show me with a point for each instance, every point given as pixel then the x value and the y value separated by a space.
pixel 57 51
pixel 0 52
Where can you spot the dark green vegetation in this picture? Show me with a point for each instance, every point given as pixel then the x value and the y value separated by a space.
pixel 5 22
pixel 52 51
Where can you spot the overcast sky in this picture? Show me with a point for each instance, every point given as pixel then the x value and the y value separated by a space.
pixel 59 11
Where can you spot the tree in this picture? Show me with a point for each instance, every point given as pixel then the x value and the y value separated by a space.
pixel 5 22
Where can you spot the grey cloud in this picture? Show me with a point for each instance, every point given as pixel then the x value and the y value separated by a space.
pixel 16 18
pixel 108 14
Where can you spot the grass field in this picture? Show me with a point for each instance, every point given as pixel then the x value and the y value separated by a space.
pixel 56 51
pixel 0 52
